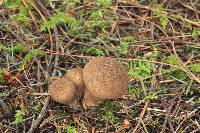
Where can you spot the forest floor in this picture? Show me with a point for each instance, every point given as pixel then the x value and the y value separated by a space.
pixel 157 41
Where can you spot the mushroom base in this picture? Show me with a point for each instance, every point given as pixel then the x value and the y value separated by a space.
pixel 80 93
pixel 74 103
pixel 90 101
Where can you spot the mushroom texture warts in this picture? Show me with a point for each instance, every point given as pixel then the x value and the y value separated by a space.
pixel 63 91
pixel 105 78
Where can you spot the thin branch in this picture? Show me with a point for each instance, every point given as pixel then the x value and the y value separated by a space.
pixel 36 123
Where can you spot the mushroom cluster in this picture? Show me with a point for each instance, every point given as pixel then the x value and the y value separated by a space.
pixel 101 79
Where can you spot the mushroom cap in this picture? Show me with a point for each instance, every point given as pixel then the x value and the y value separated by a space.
pixel 105 78
pixel 63 91
pixel 76 76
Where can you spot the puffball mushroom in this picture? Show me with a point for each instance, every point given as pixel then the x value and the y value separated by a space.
pixel 63 91
pixel 105 78
pixel 76 76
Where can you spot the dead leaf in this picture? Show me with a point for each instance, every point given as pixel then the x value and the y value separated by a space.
pixel 126 123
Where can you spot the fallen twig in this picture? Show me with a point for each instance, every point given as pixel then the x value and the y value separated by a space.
pixel 141 116
pixel 55 30
pixel 40 116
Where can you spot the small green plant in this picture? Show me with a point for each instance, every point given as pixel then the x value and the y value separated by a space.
pixel 161 14
pixel 99 125
pixel 104 2
pixel 22 14
pixel 196 33
pixel 122 48
pixel 71 129
pixel 151 97
pixel 1 75
pixel 18 48
pixel 28 57
pixel 19 117
pixel 38 106
pixel 96 14
pixel 163 21
pixel 57 19
pixel 97 20
pixel 108 109
pixel 155 122
pixel 138 69
pixel 141 68
pixel 178 74
pixel 2 48
pixel 70 4
pixel 171 59
pixel 93 51
pixel 172 71
pixel 133 92
pixel 197 101
pixel 195 67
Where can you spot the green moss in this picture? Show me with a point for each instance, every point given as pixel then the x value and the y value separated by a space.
pixel 107 111
pixel 93 51
pixel 19 117
pixel 58 19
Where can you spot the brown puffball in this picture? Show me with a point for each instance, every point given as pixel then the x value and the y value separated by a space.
pixel 105 78
pixel 63 91
pixel 76 76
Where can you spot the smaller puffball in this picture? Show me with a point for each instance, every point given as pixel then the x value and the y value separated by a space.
pixel 63 91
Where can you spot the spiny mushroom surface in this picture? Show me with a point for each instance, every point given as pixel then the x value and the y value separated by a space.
pixel 105 78
pixel 76 76
pixel 63 91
